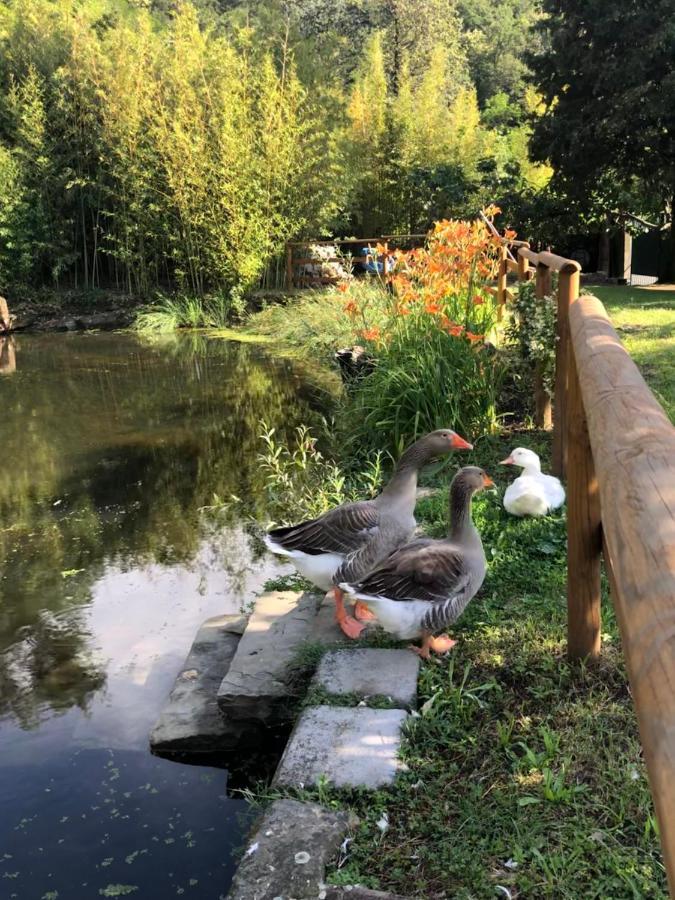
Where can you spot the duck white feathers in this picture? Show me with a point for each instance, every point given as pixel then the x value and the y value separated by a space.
pixel 348 541
pixel 425 585
pixel 532 493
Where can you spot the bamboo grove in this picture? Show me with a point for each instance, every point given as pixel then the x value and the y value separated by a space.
pixel 144 148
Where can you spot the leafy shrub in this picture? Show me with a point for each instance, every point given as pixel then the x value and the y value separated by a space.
pixel 428 336
pixel 302 483
pixel 532 330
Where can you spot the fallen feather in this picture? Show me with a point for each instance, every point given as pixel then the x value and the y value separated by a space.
pixel 383 823
pixel 344 844
pixel 511 864
pixel 251 850
pixel 505 891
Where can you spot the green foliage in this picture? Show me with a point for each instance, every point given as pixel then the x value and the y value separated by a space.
pixel 302 483
pixel 180 311
pixel 532 330
pixel 424 379
pixel 609 122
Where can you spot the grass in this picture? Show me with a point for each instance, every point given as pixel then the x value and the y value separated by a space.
pixel 168 313
pixel 525 777
pixel 524 771
pixel 645 320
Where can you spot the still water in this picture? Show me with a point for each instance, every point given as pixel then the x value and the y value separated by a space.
pixel 115 452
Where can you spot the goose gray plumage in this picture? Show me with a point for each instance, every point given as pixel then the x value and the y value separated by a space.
pixel 348 541
pixel 425 585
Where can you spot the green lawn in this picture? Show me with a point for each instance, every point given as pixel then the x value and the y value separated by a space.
pixel 525 773
pixel 645 320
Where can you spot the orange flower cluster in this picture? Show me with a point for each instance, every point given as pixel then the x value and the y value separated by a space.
pixel 445 281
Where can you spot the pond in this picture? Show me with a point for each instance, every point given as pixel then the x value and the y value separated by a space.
pixel 115 452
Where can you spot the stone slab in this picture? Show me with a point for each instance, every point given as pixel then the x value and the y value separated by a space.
pixel 286 856
pixel 355 892
pixel 191 721
pixel 257 679
pixel 370 672
pixel 351 747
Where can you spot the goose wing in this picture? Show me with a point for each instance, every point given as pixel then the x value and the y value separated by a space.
pixel 421 570
pixel 341 530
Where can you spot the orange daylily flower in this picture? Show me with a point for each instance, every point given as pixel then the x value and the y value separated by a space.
pixel 474 337
pixel 351 308
pixel 370 334
pixel 342 287
pixel 432 308
pixel 478 300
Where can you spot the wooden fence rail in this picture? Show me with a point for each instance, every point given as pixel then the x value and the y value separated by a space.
pixel 616 445
pixel 621 497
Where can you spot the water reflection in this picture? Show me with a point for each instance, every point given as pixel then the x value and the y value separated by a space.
pixel 7 355
pixel 112 450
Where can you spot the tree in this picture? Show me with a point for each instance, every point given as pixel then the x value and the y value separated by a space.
pixel 608 82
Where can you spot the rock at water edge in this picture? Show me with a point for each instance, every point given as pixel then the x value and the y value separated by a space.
pixel 257 681
pixel 287 855
pixel 191 721
pixel 355 747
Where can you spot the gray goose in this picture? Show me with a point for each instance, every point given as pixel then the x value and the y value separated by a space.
pixel 347 542
pixel 425 585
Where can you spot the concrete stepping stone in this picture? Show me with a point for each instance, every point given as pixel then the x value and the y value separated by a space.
pixel 371 672
pixel 287 855
pixel 351 747
pixel 191 721
pixel 354 892
pixel 257 679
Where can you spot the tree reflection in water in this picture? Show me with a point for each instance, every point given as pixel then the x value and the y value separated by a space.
pixel 116 447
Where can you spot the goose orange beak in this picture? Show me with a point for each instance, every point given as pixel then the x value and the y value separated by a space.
pixel 458 443
pixel 507 462
pixel 487 481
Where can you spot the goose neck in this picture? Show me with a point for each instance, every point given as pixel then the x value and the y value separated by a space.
pixel 460 510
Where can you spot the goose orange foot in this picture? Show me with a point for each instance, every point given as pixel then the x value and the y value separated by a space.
pixel 440 644
pixel 347 623
pixel 362 613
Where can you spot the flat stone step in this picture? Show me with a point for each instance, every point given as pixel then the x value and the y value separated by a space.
pixel 190 721
pixel 287 854
pixel 257 679
pixel 355 892
pixel 369 673
pixel 350 747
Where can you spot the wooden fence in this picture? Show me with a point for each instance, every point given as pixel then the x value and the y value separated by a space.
pixel 295 278
pixel 616 446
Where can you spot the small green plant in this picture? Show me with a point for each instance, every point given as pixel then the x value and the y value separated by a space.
pixel 302 483
pixel 532 330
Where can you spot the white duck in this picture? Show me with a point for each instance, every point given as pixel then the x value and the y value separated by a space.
pixel 532 493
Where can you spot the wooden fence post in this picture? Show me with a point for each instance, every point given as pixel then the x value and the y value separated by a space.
pixel 523 268
pixel 542 400
pixel 568 291
pixel 584 527
pixel 501 281
pixel 289 266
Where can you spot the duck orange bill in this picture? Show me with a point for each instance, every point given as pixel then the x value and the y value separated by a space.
pixel 507 462
pixel 487 481
pixel 458 443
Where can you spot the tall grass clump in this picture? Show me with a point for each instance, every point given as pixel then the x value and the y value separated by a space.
pixel 180 311
pixel 316 322
pixel 434 367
